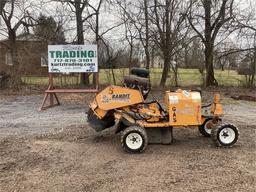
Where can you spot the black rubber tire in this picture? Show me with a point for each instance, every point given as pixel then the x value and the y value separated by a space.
pixel 134 129
pixel 100 124
pixel 216 135
pixel 140 72
pixel 201 128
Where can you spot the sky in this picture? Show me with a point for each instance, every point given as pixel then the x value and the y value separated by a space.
pixel 109 16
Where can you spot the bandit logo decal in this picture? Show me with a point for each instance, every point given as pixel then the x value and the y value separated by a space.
pixel 121 97
pixel 115 97
pixel 105 99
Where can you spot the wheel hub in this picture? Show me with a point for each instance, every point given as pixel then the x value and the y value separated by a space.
pixel 134 141
pixel 227 135
pixel 208 126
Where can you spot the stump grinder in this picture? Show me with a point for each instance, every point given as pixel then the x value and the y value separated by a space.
pixel 141 122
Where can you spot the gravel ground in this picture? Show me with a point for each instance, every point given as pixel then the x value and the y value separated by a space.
pixel 55 150
pixel 20 116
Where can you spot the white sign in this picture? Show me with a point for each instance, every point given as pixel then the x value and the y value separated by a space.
pixel 72 58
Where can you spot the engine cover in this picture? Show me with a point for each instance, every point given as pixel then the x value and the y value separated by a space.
pixel 184 107
pixel 114 97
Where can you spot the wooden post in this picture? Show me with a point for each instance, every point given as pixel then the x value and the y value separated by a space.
pixel 51 87
pixel 51 92
pixel 50 80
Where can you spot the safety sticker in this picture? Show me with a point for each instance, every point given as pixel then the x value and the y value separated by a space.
pixel 186 93
pixel 196 97
pixel 173 99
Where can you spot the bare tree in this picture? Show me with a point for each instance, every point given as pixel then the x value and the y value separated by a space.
pixel 136 13
pixel 247 31
pixel 130 32
pixel 130 36
pixel 93 22
pixel 196 59
pixel 245 44
pixel 207 17
pixel 49 29
pixel 170 31
pixel 146 46
pixel 2 4
pixel 96 12
pixel 12 24
pixel 78 7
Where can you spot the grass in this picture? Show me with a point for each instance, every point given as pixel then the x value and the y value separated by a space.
pixel 186 77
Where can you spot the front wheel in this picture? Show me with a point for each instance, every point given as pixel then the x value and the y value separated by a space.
pixel 225 135
pixel 134 139
pixel 206 128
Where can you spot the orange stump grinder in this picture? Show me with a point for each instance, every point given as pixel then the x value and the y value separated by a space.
pixel 142 122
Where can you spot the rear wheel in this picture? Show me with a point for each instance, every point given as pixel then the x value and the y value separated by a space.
pixel 206 128
pixel 225 135
pixel 134 139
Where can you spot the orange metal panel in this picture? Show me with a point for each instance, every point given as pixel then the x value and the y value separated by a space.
pixel 114 97
pixel 184 108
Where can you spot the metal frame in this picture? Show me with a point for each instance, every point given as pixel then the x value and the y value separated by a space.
pixel 51 92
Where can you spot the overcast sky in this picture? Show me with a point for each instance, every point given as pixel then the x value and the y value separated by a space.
pixel 109 16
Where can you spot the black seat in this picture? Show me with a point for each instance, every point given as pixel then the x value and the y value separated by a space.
pixel 140 72
pixel 139 80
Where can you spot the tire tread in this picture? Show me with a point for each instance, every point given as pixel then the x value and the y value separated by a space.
pixel 215 132
pixel 143 133
pixel 202 130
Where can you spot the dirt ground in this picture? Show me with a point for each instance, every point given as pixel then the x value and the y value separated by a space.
pixel 55 150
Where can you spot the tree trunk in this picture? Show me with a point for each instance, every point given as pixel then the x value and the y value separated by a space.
pixel 210 80
pixel 147 34
pixel 12 41
pixel 253 67
pixel 15 72
pixel 97 42
pixel 176 79
pixel 209 45
pixel 84 78
pixel 147 58
pixel 113 74
pixel 130 56
pixel 222 67
pixel 152 59
pixel 175 71
pixel 164 77
pixel 166 44
pixel 186 57
pixel 2 4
